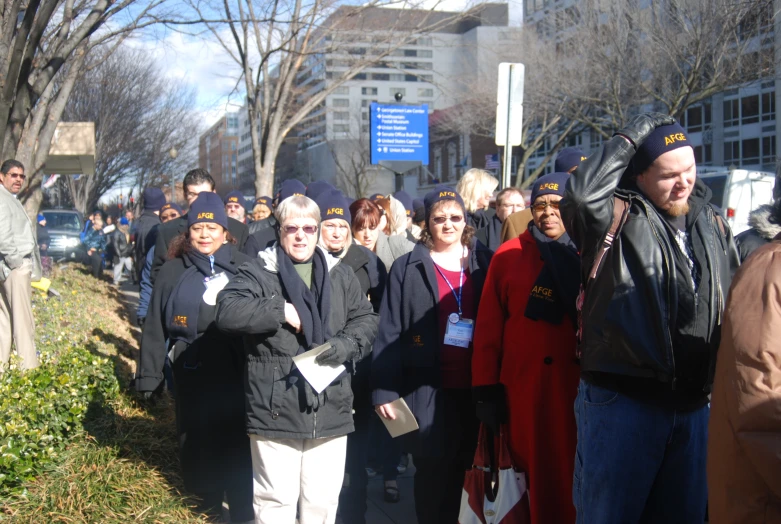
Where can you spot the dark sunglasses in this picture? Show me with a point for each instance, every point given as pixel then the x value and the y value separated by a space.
pixel 292 230
pixel 455 219
pixel 540 206
pixel 14 175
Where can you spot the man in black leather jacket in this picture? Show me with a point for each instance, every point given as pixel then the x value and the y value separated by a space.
pixel 651 320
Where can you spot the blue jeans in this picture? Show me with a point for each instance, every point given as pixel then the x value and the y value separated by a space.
pixel 638 462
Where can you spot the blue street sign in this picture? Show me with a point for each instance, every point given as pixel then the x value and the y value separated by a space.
pixel 399 133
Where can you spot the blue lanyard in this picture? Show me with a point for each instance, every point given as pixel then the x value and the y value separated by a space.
pixel 211 262
pixel 460 286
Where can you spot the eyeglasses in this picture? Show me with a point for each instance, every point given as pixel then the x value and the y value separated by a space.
pixel 454 219
pixel 292 230
pixel 540 206
pixel 16 175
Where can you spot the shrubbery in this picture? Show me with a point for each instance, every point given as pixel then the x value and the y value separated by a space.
pixel 40 410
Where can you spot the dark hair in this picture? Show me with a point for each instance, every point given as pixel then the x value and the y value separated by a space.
pixel 9 165
pixel 425 234
pixel 196 177
pixel 181 244
pixel 506 191
pixel 365 213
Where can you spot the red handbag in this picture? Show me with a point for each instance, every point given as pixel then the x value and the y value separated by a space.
pixel 494 495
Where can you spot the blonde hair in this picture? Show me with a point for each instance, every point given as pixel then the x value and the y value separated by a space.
pixel 347 245
pixel 297 207
pixel 398 218
pixel 473 185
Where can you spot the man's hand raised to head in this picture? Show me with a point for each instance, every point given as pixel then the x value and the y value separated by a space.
pixel 640 126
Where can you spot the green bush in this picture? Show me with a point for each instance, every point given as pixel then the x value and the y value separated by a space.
pixel 40 410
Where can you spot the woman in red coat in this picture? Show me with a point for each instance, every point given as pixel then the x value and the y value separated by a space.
pixel 524 369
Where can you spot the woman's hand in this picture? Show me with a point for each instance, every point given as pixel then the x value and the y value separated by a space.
pixel 291 317
pixel 385 411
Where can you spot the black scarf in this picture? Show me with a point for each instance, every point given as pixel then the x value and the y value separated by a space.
pixel 181 310
pixel 556 289
pixel 312 305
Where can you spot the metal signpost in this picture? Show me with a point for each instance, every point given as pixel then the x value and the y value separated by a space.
pixel 509 113
pixel 399 136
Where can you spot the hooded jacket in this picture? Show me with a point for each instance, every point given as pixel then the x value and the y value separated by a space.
pixel 765 222
pixel 744 437
pixel 253 305
pixel 630 310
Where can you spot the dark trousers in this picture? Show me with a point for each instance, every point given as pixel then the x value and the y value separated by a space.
pixel 352 499
pixel 439 480
pixel 94 261
pixel 638 462
pixel 385 451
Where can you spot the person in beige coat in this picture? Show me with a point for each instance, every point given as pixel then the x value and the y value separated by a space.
pixel 744 446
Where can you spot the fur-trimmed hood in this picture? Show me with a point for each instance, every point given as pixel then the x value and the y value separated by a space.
pixel 765 221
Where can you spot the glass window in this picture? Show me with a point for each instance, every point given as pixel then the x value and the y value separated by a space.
pixel 703 155
pixel 341 115
pixel 341 128
pixel 425 53
pixel 707 113
pixel 750 153
pixel 768 106
pixel 731 113
pixel 410 78
pixel 58 220
pixel 425 92
pixel 769 151
pixel 394 90
pixel 380 76
pixel 410 52
pixel 341 102
pixel 732 152
pixel 749 106
pixel 369 90
pixel 342 90
pixel 716 184
pixel 693 121
pixel 396 77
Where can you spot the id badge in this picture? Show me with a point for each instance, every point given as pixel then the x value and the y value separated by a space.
pixel 214 285
pixel 460 333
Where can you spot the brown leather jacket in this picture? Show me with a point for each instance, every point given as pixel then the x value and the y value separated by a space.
pixel 744 447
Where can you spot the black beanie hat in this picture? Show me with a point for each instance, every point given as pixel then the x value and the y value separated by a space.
pixel 234 197
pixel 420 210
pixel 568 158
pixel 317 187
pixel 208 207
pixel 153 198
pixel 290 187
pixel 332 205
pixel 438 194
pixel 171 205
pixel 263 201
pixel 662 140
pixel 406 200
pixel 551 184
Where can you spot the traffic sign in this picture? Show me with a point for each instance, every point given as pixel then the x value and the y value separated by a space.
pixel 399 133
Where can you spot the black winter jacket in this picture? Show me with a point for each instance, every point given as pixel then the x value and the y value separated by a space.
pixel 629 315
pixel 405 360
pixel 253 305
pixel 262 234
pixel 145 234
pixel 170 230
pixel 120 245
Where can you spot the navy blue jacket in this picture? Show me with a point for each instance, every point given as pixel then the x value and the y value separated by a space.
pixel 405 360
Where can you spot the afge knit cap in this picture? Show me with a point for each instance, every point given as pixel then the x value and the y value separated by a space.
pixel 263 201
pixel 552 184
pixel 316 188
pixel 333 204
pixel 153 198
pixel 662 140
pixel 406 200
pixel 438 194
pixel 208 207
pixel 290 187
pixel 171 205
pixel 568 158
pixel 234 197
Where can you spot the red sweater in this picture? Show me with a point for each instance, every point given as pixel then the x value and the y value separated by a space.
pixel 535 361
pixel 455 362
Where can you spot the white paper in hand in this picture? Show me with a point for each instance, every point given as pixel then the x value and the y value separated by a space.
pixel 405 421
pixel 319 376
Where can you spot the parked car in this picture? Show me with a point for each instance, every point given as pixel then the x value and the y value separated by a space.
pixel 738 192
pixel 63 226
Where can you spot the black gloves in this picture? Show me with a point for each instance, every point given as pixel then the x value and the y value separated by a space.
pixel 640 126
pixel 490 405
pixel 140 321
pixel 343 349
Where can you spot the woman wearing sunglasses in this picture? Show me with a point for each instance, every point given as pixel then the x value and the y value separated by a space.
pixel 524 368
pixel 292 298
pixel 423 351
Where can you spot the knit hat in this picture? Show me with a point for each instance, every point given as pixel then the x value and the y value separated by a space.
pixel 376 196
pixel 316 188
pixel 420 210
pixel 662 140
pixel 153 198
pixel 171 205
pixel 568 158
pixel 208 207
pixel 290 187
pixel 234 197
pixel 332 205
pixel 263 201
pixel 124 221
pixel 41 217
pixel 438 194
pixel 406 200
pixel 551 184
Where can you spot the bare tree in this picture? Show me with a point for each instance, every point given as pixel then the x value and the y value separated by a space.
pixel 620 58
pixel 138 115
pixel 43 44
pixel 280 50
pixel 355 174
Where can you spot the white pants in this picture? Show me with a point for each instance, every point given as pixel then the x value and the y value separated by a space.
pixel 124 262
pixel 307 473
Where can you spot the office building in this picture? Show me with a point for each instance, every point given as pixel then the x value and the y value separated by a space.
pixel 218 152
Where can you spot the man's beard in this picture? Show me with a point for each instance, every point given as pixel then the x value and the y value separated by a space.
pixel 678 210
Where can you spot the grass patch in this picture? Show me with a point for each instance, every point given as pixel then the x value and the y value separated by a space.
pixel 108 459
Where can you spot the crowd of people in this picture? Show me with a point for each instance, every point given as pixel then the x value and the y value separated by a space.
pixel 584 330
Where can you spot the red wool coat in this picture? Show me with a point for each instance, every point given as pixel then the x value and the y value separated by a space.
pixel 535 361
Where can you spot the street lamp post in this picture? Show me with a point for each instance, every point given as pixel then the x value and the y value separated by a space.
pixel 173 154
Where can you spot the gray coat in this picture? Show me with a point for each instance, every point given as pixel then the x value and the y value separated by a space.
pixel 17 237
pixel 389 248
